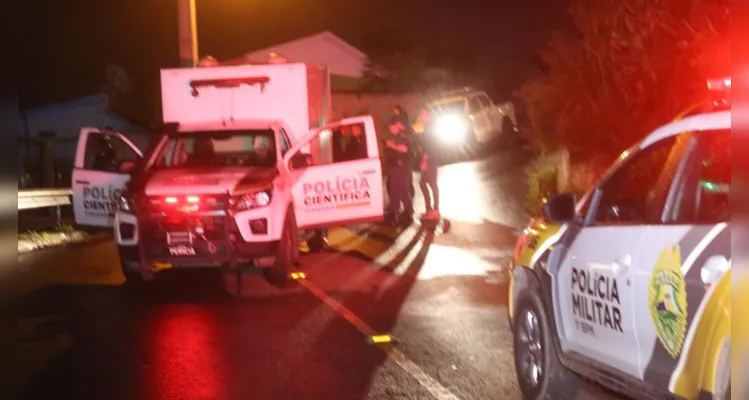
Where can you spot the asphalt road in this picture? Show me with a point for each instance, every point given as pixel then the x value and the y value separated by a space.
pixel 441 296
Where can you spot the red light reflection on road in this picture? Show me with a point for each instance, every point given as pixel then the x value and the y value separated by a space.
pixel 185 356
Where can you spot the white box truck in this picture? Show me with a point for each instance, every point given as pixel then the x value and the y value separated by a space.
pixel 243 165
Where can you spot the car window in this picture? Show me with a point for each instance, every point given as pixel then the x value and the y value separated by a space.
pixel 583 206
pixel 349 143
pixel 485 101
pixel 285 144
pixel 474 105
pixel 629 194
pixel 105 151
pixel 218 149
pixel 449 107
pixel 704 195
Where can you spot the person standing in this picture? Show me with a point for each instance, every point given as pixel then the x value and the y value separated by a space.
pixel 356 148
pixel 428 168
pixel 400 113
pixel 401 175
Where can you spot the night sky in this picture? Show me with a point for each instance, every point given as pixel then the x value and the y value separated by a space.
pixel 65 50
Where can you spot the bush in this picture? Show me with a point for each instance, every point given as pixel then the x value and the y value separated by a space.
pixel 542 183
pixel 628 67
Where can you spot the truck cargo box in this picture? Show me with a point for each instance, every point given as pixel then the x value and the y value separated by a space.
pixel 296 93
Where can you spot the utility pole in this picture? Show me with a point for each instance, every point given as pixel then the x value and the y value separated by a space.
pixel 188 33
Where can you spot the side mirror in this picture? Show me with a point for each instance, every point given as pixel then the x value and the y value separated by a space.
pixel 713 269
pixel 301 161
pixel 126 166
pixel 560 208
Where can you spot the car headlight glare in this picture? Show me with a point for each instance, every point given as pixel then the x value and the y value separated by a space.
pixel 451 128
pixel 260 198
pixel 124 203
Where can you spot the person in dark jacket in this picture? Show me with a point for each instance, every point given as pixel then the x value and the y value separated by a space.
pixel 428 168
pixel 400 113
pixel 356 147
pixel 106 157
pixel 400 176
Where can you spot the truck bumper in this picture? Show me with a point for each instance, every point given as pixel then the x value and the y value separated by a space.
pixel 212 241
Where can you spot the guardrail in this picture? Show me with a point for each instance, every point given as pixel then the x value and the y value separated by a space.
pixel 30 199
pixel 41 198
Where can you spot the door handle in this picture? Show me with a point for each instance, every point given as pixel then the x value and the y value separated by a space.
pixel 80 182
pixel 622 264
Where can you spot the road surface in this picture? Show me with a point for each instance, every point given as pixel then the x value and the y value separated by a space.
pixel 441 297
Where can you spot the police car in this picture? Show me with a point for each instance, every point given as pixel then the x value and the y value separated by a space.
pixel 630 286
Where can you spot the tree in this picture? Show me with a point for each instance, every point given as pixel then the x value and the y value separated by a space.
pixel 630 66
pixel 136 102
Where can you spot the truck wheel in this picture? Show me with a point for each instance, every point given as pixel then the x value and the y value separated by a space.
pixel 318 242
pixel 287 248
pixel 133 277
pixel 540 373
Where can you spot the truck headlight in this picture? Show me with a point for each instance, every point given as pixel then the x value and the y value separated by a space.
pixel 451 128
pixel 260 198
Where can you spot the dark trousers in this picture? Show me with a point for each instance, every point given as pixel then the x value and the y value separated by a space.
pixel 411 188
pixel 399 189
pixel 429 181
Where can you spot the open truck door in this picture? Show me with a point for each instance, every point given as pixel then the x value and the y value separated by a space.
pixel 101 170
pixel 344 189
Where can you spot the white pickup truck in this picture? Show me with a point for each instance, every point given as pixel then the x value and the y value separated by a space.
pixel 245 164
pixel 469 117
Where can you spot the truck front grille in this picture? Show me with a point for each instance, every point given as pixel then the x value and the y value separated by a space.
pixel 209 233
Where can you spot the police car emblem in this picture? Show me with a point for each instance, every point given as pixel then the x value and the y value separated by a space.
pixel 668 300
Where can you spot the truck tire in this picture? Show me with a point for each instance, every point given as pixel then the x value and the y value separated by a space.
pixel 131 266
pixel 287 249
pixel 133 277
pixel 541 376
pixel 318 242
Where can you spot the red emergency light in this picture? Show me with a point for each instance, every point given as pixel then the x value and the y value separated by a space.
pixel 184 204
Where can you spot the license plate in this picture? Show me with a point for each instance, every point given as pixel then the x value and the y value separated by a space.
pixel 179 238
pixel 181 250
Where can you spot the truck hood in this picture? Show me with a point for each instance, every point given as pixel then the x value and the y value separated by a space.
pixel 213 181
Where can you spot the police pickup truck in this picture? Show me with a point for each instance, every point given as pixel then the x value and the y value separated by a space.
pixel 243 165
pixel 631 286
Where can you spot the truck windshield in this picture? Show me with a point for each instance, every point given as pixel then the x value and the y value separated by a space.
pixel 218 149
pixel 455 106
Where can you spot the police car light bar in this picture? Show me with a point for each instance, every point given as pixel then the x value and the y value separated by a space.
pixel 719 84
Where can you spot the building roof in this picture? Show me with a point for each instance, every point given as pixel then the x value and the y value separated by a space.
pixel 93 99
pixel 70 103
pixel 312 41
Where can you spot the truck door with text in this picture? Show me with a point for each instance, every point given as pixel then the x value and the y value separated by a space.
pixel 100 172
pixel 341 188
